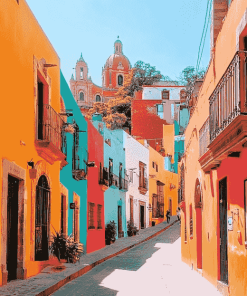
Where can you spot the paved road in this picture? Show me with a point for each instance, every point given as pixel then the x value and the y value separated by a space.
pixel 152 268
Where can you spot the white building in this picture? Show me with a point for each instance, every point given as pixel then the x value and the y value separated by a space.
pixel 137 169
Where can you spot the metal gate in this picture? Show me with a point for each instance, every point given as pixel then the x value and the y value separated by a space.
pixel 42 219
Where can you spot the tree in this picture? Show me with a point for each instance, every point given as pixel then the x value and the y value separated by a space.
pixel 189 75
pixel 117 112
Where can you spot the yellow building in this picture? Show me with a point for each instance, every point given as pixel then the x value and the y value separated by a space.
pixel 163 188
pixel 31 150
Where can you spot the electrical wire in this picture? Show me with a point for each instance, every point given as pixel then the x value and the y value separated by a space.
pixel 204 33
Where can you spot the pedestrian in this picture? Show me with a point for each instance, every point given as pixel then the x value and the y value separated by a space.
pixel 168 216
pixel 178 213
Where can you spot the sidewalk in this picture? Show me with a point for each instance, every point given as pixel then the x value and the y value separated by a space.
pixel 47 282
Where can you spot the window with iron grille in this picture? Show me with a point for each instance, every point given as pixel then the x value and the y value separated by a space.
pixel 91 215
pixel 131 176
pixel 185 228
pixel 99 214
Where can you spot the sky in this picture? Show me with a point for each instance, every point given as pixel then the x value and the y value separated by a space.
pixel 165 34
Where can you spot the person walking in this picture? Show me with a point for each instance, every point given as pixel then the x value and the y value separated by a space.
pixel 168 216
pixel 178 213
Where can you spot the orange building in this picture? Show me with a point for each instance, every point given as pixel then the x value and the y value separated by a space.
pixel 86 93
pixel 32 149
pixel 212 181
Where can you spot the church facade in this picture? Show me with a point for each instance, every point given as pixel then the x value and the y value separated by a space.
pixel 86 93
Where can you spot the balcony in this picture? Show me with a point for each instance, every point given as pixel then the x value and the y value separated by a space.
pixel 143 185
pixel 50 140
pixel 225 133
pixel 104 178
pixel 79 163
pixel 113 180
pixel 123 184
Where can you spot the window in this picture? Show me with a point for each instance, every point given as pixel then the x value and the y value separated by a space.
pixel 81 73
pixel 81 96
pixel 185 227
pixel 98 98
pixel 142 175
pixel 157 168
pixel 120 174
pixel 165 95
pixel 99 214
pixel 160 110
pixel 153 164
pixel 91 215
pixel 63 217
pixel 120 80
pixel 110 77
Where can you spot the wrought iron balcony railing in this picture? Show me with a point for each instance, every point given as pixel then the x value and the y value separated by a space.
pixel 79 163
pixel 229 96
pixel 113 180
pixel 204 138
pixel 123 184
pixel 50 126
pixel 103 176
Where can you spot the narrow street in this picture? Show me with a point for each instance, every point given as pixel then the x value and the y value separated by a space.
pixel 152 268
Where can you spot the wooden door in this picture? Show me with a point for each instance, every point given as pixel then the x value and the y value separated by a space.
pixel 223 230
pixel 199 237
pixel 170 206
pixel 42 219
pixel 142 217
pixel 12 227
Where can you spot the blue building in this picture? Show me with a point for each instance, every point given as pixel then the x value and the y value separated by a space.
pixel 114 162
pixel 73 175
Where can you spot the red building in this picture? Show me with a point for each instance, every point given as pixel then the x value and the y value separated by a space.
pixel 95 193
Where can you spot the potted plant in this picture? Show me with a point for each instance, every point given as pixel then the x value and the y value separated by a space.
pixel 74 250
pixel 132 229
pixel 58 246
pixel 110 232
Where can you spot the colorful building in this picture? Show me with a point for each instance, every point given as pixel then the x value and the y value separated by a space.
pixel 32 149
pixel 86 92
pixel 95 191
pixel 137 168
pixel 114 172
pixel 213 177
pixel 73 177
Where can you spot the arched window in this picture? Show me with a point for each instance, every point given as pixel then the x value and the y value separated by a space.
pixel 98 98
pixel 42 219
pixel 120 80
pixel 81 96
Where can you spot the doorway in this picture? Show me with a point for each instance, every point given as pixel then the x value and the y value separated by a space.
pixel 120 231
pixel 142 217
pixel 12 227
pixel 199 237
pixel 42 219
pixel 223 230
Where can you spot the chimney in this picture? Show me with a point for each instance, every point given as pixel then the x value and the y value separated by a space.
pixel 219 11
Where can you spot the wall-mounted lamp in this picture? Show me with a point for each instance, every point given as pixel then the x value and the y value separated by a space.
pixel 32 171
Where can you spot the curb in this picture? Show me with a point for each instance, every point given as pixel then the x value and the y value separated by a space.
pixel 86 269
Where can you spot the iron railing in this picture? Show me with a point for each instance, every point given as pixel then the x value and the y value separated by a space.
pixel 225 100
pixel 204 140
pixel 123 184
pixel 50 126
pixel 79 162
pixel 103 176
pixel 113 180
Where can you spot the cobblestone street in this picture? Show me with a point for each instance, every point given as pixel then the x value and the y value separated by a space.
pixel 152 268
